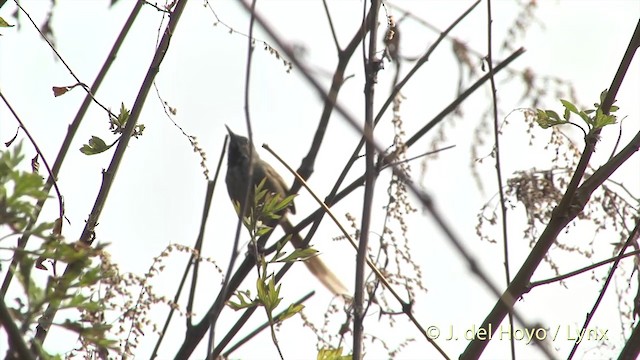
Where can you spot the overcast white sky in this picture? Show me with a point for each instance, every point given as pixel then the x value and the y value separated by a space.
pixel 157 196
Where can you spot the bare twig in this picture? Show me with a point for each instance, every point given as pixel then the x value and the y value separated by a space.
pixel 570 274
pixel 632 237
pixel 44 37
pixel 333 30
pixel 371 67
pixel 44 159
pixel 225 291
pixel 498 167
pixel 423 59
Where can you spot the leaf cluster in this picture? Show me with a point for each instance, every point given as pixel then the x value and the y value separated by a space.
pixel 19 192
pixel 594 118
pixel 117 124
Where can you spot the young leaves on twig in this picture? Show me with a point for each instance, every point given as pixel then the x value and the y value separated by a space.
pixel 594 118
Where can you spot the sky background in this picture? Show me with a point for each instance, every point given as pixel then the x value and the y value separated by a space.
pixel 157 197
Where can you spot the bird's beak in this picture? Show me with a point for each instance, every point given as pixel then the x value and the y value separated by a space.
pixel 230 132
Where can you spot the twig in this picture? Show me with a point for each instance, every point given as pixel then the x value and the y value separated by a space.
pixel 620 256
pixel 463 96
pixel 85 87
pixel 224 292
pixel 498 167
pixel 338 79
pixel 423 59
pixel 333 30
pixel 632 237
pixel 44 159
pixel 371 67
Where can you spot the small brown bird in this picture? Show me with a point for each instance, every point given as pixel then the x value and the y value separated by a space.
pixel 238 163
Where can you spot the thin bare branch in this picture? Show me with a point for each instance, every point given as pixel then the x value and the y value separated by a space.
pixel 371 67
pixel 44 37
pixel 632 238
pixel 333 30
pixel 582 270
pixel 44 159
pixel 498 167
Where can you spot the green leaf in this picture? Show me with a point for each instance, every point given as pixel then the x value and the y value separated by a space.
pixel 92 306
pixel 567 114
pixel 263 230
pixel 292 310
pixel 553 115
pixel 268 293
pixel 602 120
pixel 548 118
pixel 332 354
pixel 300 255
pixel 568 105
pixel 243 301
pixel 603 95
pixel 273 299
pixel 261 287
pixel 119 123
pixel 95 146
pixel 3 23
pixel 284 203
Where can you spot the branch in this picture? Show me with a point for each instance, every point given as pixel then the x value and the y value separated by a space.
pixel 632 347
pixel 498 166
pixel 580 271
pixel 372 66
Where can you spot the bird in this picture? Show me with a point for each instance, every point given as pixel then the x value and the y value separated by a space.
pixel 238 162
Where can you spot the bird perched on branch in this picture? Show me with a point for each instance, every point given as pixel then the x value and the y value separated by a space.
pixel 238 163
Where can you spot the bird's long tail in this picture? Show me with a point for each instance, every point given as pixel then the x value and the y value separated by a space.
pixel 317 267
